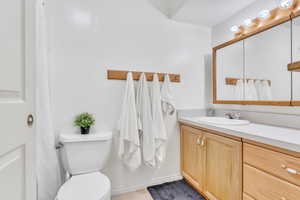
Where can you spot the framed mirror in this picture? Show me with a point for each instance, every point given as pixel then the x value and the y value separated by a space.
pixel 295 60
pixel 267 55
pixel 254 68
pixel 261 65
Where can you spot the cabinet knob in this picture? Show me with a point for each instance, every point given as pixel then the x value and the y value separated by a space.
pixel 290 170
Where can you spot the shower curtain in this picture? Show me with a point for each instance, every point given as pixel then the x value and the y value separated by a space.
pixel 48 169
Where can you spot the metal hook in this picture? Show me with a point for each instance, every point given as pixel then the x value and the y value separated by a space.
pixel 59 146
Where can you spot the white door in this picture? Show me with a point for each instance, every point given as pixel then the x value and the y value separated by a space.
pixel 17 55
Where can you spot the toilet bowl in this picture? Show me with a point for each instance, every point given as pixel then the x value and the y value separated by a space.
pixel 83 157
pixel 92 186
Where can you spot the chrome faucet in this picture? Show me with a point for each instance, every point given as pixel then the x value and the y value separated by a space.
pixel 233 115
pixel 210 112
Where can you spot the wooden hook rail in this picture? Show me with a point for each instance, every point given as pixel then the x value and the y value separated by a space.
pixel 294 67
pixel 233 81
pixel 122 75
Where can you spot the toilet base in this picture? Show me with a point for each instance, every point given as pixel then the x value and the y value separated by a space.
pixel 92 186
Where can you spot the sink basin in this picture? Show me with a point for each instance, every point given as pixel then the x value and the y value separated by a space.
pixel 222 121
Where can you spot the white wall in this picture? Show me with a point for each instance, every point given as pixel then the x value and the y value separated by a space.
pixel 88 37
pixel 221 33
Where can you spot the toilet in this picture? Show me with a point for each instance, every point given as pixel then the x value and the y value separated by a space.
pixel 83 157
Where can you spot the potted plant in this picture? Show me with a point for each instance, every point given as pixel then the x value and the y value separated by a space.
pixel 84 121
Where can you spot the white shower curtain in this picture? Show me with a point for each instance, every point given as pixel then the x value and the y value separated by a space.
pixel 48 170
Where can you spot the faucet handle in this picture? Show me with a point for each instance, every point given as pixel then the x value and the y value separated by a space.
pixel 237 115
pixel 233 115
pixel 228 115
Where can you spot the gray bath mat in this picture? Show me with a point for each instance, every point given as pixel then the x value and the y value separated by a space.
pixel 178 190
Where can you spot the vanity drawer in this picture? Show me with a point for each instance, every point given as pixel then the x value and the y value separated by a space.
pixel 278 164
pixel 262 186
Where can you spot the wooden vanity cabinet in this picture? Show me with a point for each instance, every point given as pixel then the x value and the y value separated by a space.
pixel 212 164
pixel 246 197
pixel 223 168
pixel 192 157
pixel 229 168
pixel 271 173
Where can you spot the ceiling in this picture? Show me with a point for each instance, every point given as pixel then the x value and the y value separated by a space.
pixel 169 7
pixel 202 12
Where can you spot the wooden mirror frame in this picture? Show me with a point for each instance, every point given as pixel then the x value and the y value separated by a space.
pixel 278 17
pixel 295 15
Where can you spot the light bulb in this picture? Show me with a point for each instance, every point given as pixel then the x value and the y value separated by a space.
pixel 264 14
pixel 247 22
pixel 286 3
pixel 234 29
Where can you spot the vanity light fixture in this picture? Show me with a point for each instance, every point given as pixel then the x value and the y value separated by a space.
pixel 234 29
pixel 264 14
pixel 266 17
pixel 248 22
pixel 285 4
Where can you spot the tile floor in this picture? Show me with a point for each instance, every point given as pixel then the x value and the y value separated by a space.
pixel 138 195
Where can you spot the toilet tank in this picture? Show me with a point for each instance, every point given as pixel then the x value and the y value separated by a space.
pixel 85 153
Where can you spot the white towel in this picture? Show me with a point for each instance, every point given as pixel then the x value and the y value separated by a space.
pixel 129 141
pixel 247 90
pixel 159 128
pixel 253 90
pixel 259 89
pixel 267 90
pixel 239 90
pixel 167 97
pixel 250 91
pixel 145 121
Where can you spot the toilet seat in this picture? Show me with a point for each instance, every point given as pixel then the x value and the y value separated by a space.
pixel 92 186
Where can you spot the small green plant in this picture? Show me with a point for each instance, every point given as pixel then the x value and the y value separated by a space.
pixel 84 120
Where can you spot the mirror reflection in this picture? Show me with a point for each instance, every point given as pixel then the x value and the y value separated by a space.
pixel 296 58
pixel 266 57
pixel 229 62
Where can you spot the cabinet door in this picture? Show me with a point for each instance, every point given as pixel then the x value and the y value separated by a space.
pixel 192 156
pixel 223 168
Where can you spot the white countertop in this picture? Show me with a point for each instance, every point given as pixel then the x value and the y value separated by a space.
pixel 277 136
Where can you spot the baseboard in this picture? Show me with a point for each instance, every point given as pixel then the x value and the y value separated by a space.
pixel 156 181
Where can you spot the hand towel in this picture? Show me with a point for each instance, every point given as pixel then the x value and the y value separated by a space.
pixel 259 89
pixel 247 90
pixel 267 90
pixel 159 128
pixel 129 140
pixel 253 90
pixel 239 90
pixel 167 97
pixel 250 91
pixel 145 121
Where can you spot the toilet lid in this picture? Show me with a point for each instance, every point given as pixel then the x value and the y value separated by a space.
pixel 91 186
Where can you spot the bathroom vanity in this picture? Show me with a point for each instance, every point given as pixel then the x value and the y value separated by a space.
pixel 260 66
pixel 250 162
